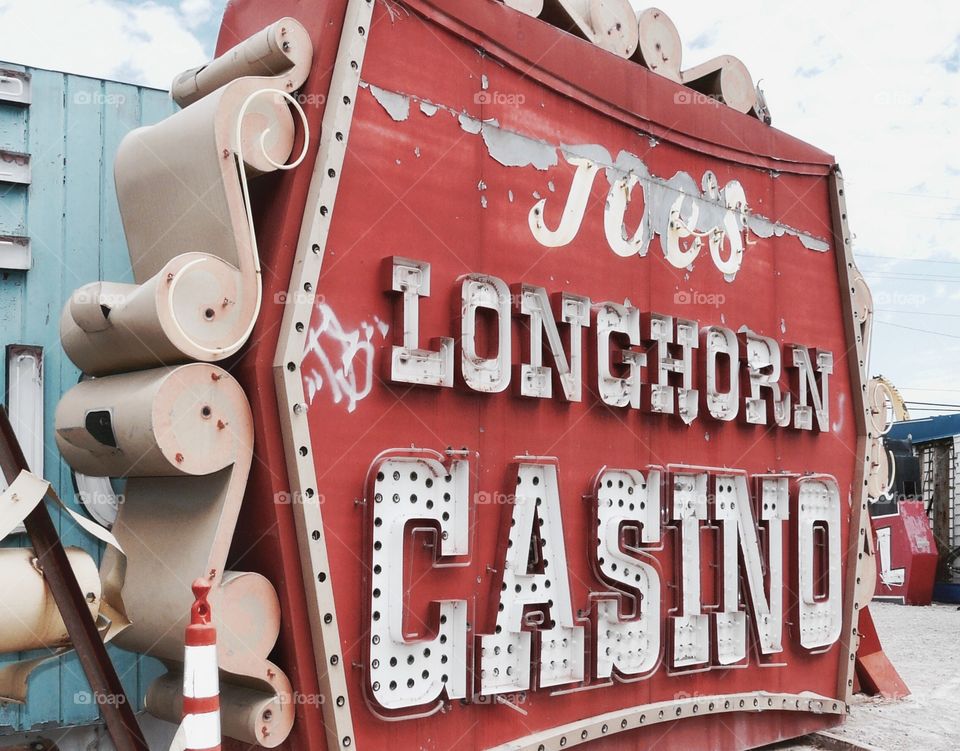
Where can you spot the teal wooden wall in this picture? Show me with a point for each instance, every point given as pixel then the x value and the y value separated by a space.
pixel 71 130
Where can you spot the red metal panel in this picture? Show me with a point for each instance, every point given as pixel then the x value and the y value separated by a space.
pixel 907 555
pixel 427 187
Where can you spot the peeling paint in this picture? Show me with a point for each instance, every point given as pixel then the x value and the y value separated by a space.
pixel 514 150
pixel 470 124
pixel 699 213
pixel 396 105
pixel 763 227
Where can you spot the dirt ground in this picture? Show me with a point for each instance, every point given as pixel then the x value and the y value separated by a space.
pixel 923 643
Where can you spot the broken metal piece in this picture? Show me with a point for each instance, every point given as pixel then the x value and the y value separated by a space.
pixel 73 605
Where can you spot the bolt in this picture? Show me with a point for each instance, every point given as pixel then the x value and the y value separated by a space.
pixel 179 458
pixel 215 376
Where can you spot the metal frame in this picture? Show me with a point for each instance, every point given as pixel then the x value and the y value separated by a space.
pixel 14 167
pixel 611 723
pixel 298 447
pixel 859 539
pixel 15 252
pixel 14 87
pixel 28 427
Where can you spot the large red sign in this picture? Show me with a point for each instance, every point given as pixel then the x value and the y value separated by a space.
pixel 569 388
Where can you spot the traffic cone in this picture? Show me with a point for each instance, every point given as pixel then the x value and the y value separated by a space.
pixel 201 678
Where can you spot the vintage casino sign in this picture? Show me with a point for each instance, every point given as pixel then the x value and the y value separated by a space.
pixel 569 367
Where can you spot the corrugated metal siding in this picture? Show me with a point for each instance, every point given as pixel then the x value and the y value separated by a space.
pixel 71 130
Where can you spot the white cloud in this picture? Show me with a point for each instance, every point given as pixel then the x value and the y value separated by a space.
pixel 145 43
pixel 879 88
pixel 859 85
pixel 196 12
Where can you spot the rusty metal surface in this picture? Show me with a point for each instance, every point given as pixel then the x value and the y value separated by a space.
pixel 74 608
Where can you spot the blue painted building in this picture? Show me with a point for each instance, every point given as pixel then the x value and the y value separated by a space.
pixel 59 218
pixel 936 443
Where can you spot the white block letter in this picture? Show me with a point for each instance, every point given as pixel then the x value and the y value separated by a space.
pixel 413 672
pixel 630 645
pixel 505 656
pixel 535 378
pixel 485 374
pixel 409 363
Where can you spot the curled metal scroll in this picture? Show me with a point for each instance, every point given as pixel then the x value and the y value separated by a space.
pixel 159 412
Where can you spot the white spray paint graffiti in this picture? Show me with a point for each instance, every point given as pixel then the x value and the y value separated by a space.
pixel 339 359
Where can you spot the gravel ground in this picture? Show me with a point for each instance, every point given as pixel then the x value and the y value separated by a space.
pixel 923 643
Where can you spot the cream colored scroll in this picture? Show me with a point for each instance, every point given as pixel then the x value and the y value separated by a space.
pixel 183 436
pixel 181 186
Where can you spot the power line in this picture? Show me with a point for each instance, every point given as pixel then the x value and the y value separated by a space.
pixel 925 388
pixel 907 260
pixel 933 404
pixel 922 331
pixel 917 313
pixel 913 275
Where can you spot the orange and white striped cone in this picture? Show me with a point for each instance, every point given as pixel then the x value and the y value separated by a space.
pixel 201 677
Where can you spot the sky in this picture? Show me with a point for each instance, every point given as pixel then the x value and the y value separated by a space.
pixel 877 85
